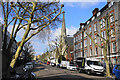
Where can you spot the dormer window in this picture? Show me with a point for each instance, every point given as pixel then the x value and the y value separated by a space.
pixel 82 26
pixel 88 22
pixel 93 18
pixel 110 4
pixel 98 14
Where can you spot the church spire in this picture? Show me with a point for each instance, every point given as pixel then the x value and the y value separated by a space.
pixel 63 30
pixel 63 36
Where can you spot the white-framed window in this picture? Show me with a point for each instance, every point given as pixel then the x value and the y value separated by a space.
pixel 93 18
pixel 88 22
pixel 85 43
pixel 90 42
pixel 82 26
pixel 102 23
pixel 90 29
pixel 90 52
pixel 81 45
pixel 111 18
pixel 96 51
pixel 85 35
pixel 110 4
pixel 95 38
pixel 103 35
pixel 81 54
pixel 95 27
pixel 103 20
pixel 113 47
pixel 81 36
pixel 98 14
pixel 112 32
pixel 102 51
pixel 85 52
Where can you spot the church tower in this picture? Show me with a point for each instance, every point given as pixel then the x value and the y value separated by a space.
pixel 63 36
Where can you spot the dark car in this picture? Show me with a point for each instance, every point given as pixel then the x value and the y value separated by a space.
pixel 116 71
pixel 52 64
pixel 58 65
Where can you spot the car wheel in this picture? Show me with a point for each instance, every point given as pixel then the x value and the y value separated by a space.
pixel 88 72
pixel 79 71
pixel 114 77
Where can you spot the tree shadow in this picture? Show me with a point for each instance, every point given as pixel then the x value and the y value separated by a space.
pixel 38 67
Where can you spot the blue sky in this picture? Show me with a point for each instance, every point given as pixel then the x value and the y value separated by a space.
pixel 75 13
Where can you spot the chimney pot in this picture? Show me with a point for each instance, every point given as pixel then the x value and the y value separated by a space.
pixel 95 11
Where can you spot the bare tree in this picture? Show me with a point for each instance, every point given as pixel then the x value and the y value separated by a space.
pixel 25 14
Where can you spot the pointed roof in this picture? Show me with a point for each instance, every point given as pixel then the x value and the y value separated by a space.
pixel 63 29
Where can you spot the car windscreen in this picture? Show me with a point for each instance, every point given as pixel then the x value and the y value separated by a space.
pixel 72 65
pixel 94 63
pixel 118 67
pixel 28 64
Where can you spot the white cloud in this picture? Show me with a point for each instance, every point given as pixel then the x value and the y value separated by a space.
pixel 71 30
pixel 80 4
pixel 87 4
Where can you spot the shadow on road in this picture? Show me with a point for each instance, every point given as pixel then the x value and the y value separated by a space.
pixel 38 67
pixel 70 77
pixel 64 77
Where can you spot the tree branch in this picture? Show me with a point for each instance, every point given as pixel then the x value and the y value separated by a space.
pixel 43 27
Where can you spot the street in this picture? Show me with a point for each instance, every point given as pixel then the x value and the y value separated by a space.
pixel 47 72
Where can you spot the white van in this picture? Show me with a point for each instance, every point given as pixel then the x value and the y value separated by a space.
pixel 64 64
pixel 89 65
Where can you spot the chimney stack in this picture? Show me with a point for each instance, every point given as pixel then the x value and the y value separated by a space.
pixel 82 24
pixel 95 11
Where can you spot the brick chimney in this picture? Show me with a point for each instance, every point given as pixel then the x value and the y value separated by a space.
pixel 82 24
pixel 95 11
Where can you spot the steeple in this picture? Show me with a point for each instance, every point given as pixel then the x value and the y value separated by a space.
pixel 63 36
pixel 63 29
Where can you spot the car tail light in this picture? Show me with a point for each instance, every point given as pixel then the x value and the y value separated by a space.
pixel 76 65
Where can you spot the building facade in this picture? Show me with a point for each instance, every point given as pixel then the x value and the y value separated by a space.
pixel 108 16
pixel 70 54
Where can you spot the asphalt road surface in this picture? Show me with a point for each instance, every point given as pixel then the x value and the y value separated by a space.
pixel 47 72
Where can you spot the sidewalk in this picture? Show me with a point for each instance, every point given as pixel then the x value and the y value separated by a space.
pixel 19 69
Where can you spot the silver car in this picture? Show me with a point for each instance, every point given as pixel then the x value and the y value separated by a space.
pixel 28 66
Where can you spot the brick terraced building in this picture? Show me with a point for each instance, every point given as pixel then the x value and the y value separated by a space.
pixel 83 46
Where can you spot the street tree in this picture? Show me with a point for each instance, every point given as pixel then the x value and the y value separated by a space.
pixel 25 14
pixel 28 51
pixel 105 40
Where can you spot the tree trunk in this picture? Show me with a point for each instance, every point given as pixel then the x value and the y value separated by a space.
pixel 107 63
pixel 20 47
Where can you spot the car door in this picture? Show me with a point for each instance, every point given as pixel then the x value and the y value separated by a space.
pixel 117 71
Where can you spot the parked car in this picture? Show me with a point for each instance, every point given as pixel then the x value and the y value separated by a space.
pixel 72 67
pixel 48 62
pixel 52 64
pixel 116 71
pixel 64 64
pixel 28 66
pixel 34 62
pixel 58 65
pixel 89 65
